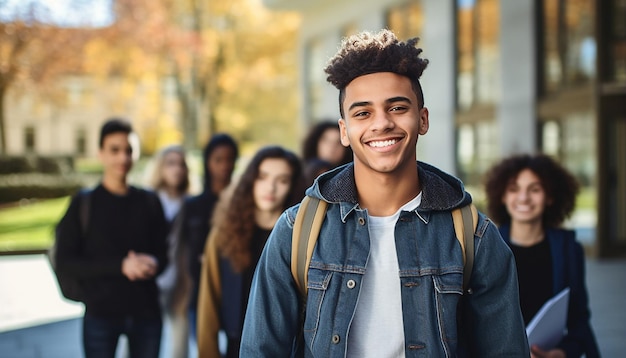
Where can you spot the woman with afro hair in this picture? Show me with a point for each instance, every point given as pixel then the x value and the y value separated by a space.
pixel 529 197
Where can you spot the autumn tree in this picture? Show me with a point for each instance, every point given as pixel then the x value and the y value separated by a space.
pixel 32 51
pixel 234 68
pixel 231 63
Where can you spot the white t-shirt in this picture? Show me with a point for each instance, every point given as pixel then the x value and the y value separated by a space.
pixel 377 329
pixel 171 206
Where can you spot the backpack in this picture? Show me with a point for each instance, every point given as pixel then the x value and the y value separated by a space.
pixel 69 285
pixel 309 221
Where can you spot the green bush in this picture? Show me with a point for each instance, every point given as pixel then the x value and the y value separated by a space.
pixel 17 193
pixel 36 164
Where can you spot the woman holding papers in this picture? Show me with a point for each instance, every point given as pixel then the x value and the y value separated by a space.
pixel 529 197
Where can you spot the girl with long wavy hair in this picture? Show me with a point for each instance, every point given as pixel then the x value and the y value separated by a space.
pixel 242 222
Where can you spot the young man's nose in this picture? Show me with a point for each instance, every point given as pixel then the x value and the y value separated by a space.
pixel 382 120
pixel 523 195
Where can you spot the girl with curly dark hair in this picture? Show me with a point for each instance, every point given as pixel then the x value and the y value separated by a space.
pixel 529 197
pixel 243 220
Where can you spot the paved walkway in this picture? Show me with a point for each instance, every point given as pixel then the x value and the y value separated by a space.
pixel 35 322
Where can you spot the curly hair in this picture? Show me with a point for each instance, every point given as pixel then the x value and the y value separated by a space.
pixel 560 186
pixel 366 53
pixel 234 221
pixel 310 143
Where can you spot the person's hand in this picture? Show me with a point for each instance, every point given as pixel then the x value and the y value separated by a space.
pixel 536 352
pixel 139 266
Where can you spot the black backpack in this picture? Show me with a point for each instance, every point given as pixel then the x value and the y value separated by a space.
pixel 70 286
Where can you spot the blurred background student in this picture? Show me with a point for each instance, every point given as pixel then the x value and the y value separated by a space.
pixel 243 220
pixel 170 180
pixel 529 197
pixel 323 142
pixel 193 224
pixel 322 150
pixel 313 168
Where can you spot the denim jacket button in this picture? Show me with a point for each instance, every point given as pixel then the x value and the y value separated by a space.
pixel 351 284
pixel 335 338
pixel 361 221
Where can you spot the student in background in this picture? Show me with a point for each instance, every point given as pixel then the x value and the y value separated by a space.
pixel 242 223
pixel 323 142
pixel 313 168
pixel 193 223
pixel 170 180
pixel 120 255
pixel 529 197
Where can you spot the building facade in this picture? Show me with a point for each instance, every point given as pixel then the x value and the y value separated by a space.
pixel 68 121
pixel 505 77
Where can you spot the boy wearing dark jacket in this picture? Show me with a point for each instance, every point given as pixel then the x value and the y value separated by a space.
pixel 117 255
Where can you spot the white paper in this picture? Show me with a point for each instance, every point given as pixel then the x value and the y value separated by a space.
pixel 547 328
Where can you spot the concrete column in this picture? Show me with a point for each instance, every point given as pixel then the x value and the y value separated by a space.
pixel 438 83
pixel 517 108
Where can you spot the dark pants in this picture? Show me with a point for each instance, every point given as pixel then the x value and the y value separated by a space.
pixel 100 336
pixel 232 351
pixel 193 316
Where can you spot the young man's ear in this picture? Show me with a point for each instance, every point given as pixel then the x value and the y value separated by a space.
pixel 343 132
pixel 423 118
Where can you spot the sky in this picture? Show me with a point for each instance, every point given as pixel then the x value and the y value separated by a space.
pixel 69 13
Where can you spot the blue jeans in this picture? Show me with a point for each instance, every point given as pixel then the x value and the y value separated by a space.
pixel 193 316
pixel 100 336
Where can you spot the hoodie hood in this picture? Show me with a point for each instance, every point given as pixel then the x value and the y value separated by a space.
pixel 440 191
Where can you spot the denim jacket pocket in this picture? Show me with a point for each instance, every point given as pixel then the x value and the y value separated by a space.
pixel 318 281
pixel 448 292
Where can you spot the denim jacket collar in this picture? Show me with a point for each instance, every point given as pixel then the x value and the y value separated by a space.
pixel 440 191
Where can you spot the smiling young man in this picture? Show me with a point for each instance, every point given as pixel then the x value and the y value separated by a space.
pixel 117 255
pixel 386 275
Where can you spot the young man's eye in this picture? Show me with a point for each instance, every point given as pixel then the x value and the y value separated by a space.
pixel 398 109
pixel 361 114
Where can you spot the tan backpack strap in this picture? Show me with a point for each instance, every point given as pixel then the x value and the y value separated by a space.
pixel 465 221
pixel 306 229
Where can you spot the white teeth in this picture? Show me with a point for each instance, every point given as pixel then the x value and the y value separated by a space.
pixel 384 143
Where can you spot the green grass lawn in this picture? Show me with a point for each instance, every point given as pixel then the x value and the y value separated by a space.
pixel 30 226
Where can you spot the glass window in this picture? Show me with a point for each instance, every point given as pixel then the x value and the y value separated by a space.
pixel 29 139
pixel 569 43
pixel 570 139
pixel 618 45
pixel 478 52
pixel 75 91
pixel 477 150
pixel 466 150
pixel 81 142
pixel 551 138
pixel 406 21
pixel 578 144
pixel 315 76
pixel 617 169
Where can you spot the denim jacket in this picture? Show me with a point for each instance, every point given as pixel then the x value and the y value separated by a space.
pixel 439 319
